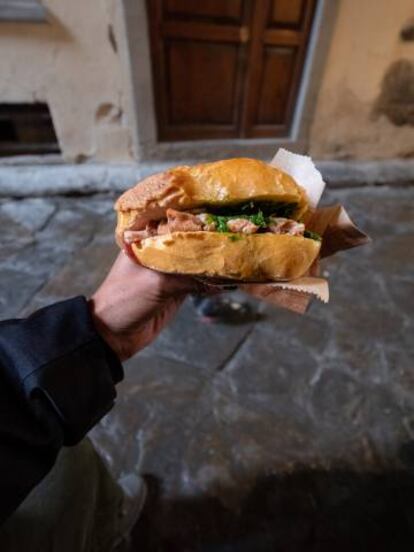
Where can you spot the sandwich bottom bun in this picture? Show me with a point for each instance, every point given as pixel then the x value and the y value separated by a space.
pixel 257 257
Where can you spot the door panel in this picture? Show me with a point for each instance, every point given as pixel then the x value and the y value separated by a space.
pixel 196 9
pixel 211 69
pixel 197 66
pixel 227 68
pixel 277 74
pixel 276 59
pixel 286 13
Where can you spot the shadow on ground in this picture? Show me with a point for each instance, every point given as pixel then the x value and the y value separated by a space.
pixel 308 510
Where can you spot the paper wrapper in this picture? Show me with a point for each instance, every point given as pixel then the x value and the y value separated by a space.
pixel 332 223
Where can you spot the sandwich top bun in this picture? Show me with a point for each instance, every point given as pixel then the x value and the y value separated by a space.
pixel 220 183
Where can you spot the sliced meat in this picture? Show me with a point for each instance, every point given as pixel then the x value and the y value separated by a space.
pixel 243 226
pixel 163 228
pixel 207 225
pixel 132 236
pixel 279 225
pixel 178 221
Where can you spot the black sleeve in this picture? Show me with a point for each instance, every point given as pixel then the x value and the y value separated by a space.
pixel 57 379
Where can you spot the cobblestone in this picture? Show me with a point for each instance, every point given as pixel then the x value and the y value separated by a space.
pixel 293 433
pixel 33 213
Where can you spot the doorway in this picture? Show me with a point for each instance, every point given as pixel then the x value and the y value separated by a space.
pixel 227 68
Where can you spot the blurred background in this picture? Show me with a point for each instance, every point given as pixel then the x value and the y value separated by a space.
pixel 289 432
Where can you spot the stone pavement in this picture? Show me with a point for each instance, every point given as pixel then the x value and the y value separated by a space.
pixel 292 433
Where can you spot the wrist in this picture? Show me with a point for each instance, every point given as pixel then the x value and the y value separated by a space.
pixel 101 327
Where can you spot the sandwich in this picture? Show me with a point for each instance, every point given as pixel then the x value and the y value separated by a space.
pixel 239 219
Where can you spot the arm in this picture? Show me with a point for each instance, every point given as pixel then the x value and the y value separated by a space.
pixel 45 361
pixel 59 367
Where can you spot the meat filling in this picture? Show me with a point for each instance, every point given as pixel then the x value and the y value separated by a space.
pixel 179 221
pixel 279 225
pixel 242 225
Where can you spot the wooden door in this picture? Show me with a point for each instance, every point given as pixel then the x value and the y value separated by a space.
pixel 227 68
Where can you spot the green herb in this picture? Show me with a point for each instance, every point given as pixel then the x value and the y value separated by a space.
pixel 288 210
pixel 221 223
pixel 312 235
pixel 276 208
pixel 258 219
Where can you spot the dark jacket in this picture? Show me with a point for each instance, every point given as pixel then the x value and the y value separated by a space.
pixel 57 379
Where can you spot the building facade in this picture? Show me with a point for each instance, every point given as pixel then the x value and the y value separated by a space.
pixel 127 80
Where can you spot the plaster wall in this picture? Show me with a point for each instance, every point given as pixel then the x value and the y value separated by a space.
pixel 367 83
pixel 72 62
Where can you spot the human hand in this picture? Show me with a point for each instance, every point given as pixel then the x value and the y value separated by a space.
pixel 134 303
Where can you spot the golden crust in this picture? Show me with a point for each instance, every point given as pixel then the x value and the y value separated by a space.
pixel 258 257
pixel 161 188
pixel 219 183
